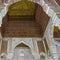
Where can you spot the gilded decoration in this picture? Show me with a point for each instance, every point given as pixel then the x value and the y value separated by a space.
pixel 23 7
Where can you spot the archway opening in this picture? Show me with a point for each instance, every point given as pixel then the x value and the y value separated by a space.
pixel 22 52
pixel 25 19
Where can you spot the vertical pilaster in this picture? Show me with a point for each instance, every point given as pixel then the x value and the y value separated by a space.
pixel 9 50
pixel 36 52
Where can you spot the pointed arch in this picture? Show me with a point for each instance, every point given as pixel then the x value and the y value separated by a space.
pixel 22 44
